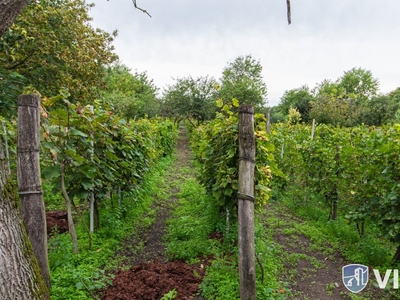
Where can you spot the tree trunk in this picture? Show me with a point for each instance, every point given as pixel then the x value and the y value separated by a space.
pixel 29 183
pixel 268 124
pixel 20 276
pixel 9 10
pixel 247 150
pixel 71 225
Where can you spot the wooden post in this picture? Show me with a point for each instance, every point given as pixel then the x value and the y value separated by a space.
pixel 335 191
pixel 92 200
pixel 247 151
pixel 268 125
pixel 313 128
pixel 29 183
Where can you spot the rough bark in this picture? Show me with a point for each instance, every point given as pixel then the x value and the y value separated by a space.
pixel 29 182
pixel 9 10
pixel 247 150
pixel 20 276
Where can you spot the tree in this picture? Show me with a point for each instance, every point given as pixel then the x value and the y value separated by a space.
pixel 242 79
pixel 359 84
pixel 379 110
pixel 395 95
pixel 190 98
pixel 299 99
pixel 343 102
pixel 20 276
pixel 9 10
pixel 332 109
pixel 53 45
pixel 131 95
pixel 277 114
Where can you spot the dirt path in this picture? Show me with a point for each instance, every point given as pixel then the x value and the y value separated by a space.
pixel 313 268
pixel 151 275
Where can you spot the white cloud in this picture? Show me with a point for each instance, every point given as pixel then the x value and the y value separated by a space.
pixel 198 38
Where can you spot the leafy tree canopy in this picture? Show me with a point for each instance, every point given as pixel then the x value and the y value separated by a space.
pixel 360 84
pixel 378 111
pixel 191 98
pixel 242 79
pixel 299 99
pixel 132 95
pixel 346 101
pixel 52 45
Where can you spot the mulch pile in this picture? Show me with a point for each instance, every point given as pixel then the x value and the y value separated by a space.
pixel 56 220
pixel 151 281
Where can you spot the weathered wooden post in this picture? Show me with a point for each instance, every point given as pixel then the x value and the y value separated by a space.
pixel 268 125
pixel 312 129
pixel 29 183
pixel 247 152
pixel 92 200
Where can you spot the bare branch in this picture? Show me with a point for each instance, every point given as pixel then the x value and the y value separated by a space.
pixel 141 9
pixel 289 13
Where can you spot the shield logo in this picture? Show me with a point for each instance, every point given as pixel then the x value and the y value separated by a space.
pixel 355 277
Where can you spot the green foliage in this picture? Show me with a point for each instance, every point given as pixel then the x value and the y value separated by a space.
pixel 215 146
pixel 379 110
pixel 192 222
pixel 131 95
pixel 190 98
pixel 359 84
pixel 100 150
pixel 81 276
pixel 11 86
pixel 341 102
pixel 294 116
pixel 357 167
pixel 52 45
pixel 172 294
pixel 299 99
pixel 242 79
pixel 334 109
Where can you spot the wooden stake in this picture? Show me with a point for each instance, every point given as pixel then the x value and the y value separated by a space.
pixel 247 271
pixel 268 125
pixel 313 128
pixel 92 200
pixel 29 183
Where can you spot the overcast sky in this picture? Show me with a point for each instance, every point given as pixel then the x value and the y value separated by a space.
pixel 198 38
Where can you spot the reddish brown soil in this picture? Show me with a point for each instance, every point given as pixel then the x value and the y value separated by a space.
pixel 56 221
pixel 153 280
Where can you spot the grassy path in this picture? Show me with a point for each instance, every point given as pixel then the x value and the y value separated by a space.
pixel 312 263
pixel 146 271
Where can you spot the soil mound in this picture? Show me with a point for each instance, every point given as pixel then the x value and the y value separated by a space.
pixel 151 281
pixel 56 220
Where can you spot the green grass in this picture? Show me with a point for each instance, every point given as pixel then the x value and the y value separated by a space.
pixel 78 276
pixel 196 216
pixel 369 249
pixel 310 220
